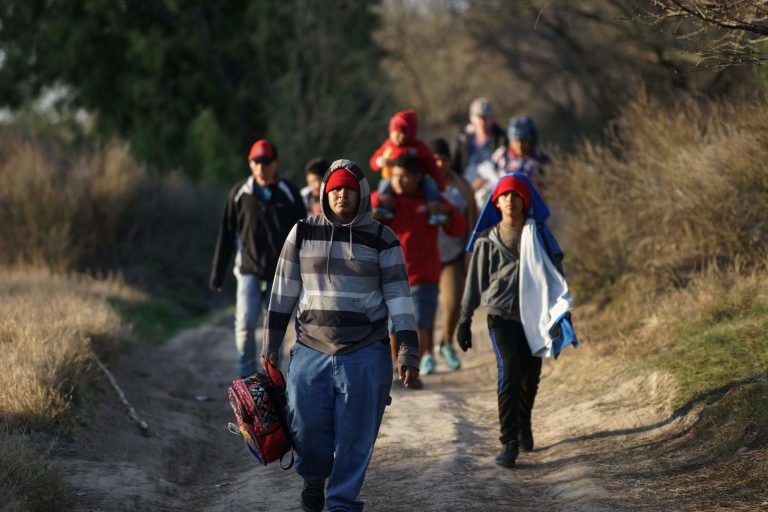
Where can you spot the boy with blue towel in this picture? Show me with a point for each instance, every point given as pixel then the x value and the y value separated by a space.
pixel 516 273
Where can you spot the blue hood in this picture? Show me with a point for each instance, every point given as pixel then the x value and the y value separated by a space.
pixel 490 215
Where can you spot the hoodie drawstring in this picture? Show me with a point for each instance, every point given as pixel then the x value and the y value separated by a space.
pixel 328 258
pixel 351 256
pixel 330 245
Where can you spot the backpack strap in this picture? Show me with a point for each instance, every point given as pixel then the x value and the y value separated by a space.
pixel 301 225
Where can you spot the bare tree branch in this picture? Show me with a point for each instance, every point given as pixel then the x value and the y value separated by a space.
pixel 721 32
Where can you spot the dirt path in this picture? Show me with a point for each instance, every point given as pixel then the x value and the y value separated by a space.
pixel 435 450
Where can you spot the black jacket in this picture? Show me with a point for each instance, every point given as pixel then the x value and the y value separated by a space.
pixel 460 154
pixel 258 223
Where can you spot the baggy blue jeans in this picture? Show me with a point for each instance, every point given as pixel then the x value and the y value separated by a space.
pixel 335 407
pixel 249 305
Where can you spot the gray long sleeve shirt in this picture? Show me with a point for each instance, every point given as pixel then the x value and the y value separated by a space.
pixel 493 278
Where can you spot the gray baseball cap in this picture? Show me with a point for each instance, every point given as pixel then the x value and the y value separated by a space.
pixel 480 107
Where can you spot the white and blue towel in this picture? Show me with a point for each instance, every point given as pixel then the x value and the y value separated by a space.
pixel 545 299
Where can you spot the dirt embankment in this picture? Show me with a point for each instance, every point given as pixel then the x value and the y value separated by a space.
pixel 598 435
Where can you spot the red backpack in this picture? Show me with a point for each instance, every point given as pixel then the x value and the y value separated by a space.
pixel 259 404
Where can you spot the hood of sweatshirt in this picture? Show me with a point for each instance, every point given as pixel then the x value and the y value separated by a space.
pixel 364 212
pixel 406 122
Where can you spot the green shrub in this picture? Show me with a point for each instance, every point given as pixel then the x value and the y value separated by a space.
pixel 727 344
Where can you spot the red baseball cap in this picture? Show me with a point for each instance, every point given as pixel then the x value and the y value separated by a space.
pixel 263 151
pixel 342 178
pixel 512 184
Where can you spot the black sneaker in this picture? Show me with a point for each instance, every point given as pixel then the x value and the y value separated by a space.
pixel 525 436
pixel 508 455
pixel 313 496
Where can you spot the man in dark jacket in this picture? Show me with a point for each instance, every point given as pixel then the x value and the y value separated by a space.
pixel 260 212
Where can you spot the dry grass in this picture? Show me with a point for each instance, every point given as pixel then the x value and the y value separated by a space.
pixel 93 212
pixel 49 325
pixel 58 208
pixel 673 191
pixel 96 210
pixel 711 339
pixel 27 482
pixel 720 464
pixel 666 234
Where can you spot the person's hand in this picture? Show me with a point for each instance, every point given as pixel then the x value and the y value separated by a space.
pixel 444 208
pixel 271 357
pixel 464 336
pixel 216 289
pixel 387 201
pixel 408 374
pixel 478 183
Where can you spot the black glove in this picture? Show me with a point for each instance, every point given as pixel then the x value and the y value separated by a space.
pixel 464 336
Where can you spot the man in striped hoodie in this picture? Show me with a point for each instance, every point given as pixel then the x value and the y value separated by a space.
pixel 347 274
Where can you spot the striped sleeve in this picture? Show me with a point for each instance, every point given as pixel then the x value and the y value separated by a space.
pixel 397 294
pixel 286 288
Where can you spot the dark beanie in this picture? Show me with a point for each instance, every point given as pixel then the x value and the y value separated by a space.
pixel 440 147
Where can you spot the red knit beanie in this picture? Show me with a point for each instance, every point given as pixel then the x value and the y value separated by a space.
pixel 514 184
pixel 405 122
pixel 342 178
pixel 398 124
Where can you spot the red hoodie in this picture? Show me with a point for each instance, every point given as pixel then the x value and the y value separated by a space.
pixel 407 123
pixel 418 237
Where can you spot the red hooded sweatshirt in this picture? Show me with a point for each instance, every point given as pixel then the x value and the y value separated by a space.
pixel 418 238
pixel 407 123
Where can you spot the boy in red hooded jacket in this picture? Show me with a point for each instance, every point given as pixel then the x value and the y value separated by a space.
pixel 403 127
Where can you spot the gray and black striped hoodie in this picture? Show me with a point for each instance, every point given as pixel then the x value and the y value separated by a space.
pixel 346 278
